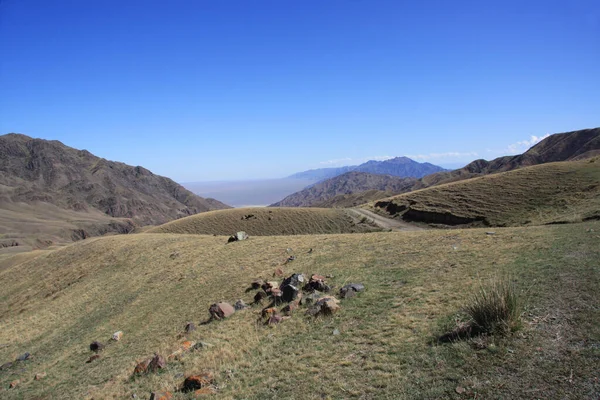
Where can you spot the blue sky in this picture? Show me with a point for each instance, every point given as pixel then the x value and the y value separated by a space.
pixel 213 90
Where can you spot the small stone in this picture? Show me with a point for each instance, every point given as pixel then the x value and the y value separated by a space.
pixel 6 366
pixel 24 357
pixel 336 332
pixel 161 396
pixel 117 336
pixel 93 358
pixel 351 289
pixel 158 362
pixel 241 235
pixel 294 305
pixel 460 390
pixel 40 376
pixel 240 305
pixel 490 233
pixel 142 367
pixel 14 384
pixel 290 259
pixel 221 310
pixel 256 284
pixel 269 311
pixel 278 272
pixel 174 255
pixel 96 346
pixel 196 382
pixel 201 345
pixel 274 319
pixel 190 327
pixel 259 296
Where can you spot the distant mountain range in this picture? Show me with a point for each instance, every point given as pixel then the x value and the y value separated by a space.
pixel 348 190
pixel 403 167
pixel 87 194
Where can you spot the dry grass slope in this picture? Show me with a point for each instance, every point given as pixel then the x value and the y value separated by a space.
pixel 543 194
pixel 55 304
pixel 266 222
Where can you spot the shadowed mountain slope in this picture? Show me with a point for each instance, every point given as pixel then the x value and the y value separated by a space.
pixel 71 185
pixel 348 183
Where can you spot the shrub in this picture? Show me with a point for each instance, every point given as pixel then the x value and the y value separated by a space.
pixel 496 308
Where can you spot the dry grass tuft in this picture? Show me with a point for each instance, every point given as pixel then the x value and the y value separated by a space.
pixel 496 308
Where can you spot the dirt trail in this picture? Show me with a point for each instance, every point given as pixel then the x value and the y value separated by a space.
pixel 383 222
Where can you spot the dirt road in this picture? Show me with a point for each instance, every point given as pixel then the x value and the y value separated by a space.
pixel 383 222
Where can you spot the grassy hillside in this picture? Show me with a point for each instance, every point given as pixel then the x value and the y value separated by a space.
pixel 266 222
pixel 149 285
pixel 542 194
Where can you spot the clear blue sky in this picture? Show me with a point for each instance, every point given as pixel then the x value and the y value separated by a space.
pixel 210 90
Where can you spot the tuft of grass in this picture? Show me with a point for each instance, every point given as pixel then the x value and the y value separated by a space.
pixel 496 308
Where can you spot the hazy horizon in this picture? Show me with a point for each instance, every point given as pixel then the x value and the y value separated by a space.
pixel 242 90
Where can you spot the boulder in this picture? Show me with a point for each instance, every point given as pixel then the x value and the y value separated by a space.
pixel 327 305
pixel 96 346
pixel 117 336
pixel 289 293
pixel 295 280
pixel 196 382
pixel 351 289
pixel 221 310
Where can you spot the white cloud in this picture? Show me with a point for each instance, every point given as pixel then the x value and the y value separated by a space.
pixel 451 155
pixel 524 145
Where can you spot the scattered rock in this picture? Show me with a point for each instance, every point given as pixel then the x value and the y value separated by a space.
pixel 117 336
pixel 249 216
pixel 24 357
pixel 40 376
pixel 460 390
pixel 142 367
pixel 336 332
pixel 96 346
pixel 237 237
pixel 208 389
pixel 351 289
pixel 259 296
pixel 161 396
pixel 157 362
pixel 269 311
pixel 14 384
pixel 201 345
pixel 6 366
pixel 221 310
pixel 290 259
pixel 196 382
pixel 294 280
pixel 256 284
pixel 326 306
pixel 316 282
pixel 289 293
pixel 93 358
pixel 311 298
pixel 190 327
pixel 240 305
pixel 278 272
pixel 174 255
pixel 187 345
pixel 293 306
pixel 310 250
pixel 274 319
pixel 490 233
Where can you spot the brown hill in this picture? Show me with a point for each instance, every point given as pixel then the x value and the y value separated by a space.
pixel 345 184
pixel 262 221
pixel 568 146
pixel 551 193
pixel 80 191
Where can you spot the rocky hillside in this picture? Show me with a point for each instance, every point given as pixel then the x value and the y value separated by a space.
pixel 346 184
pixel 41 172
pixel 568 146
